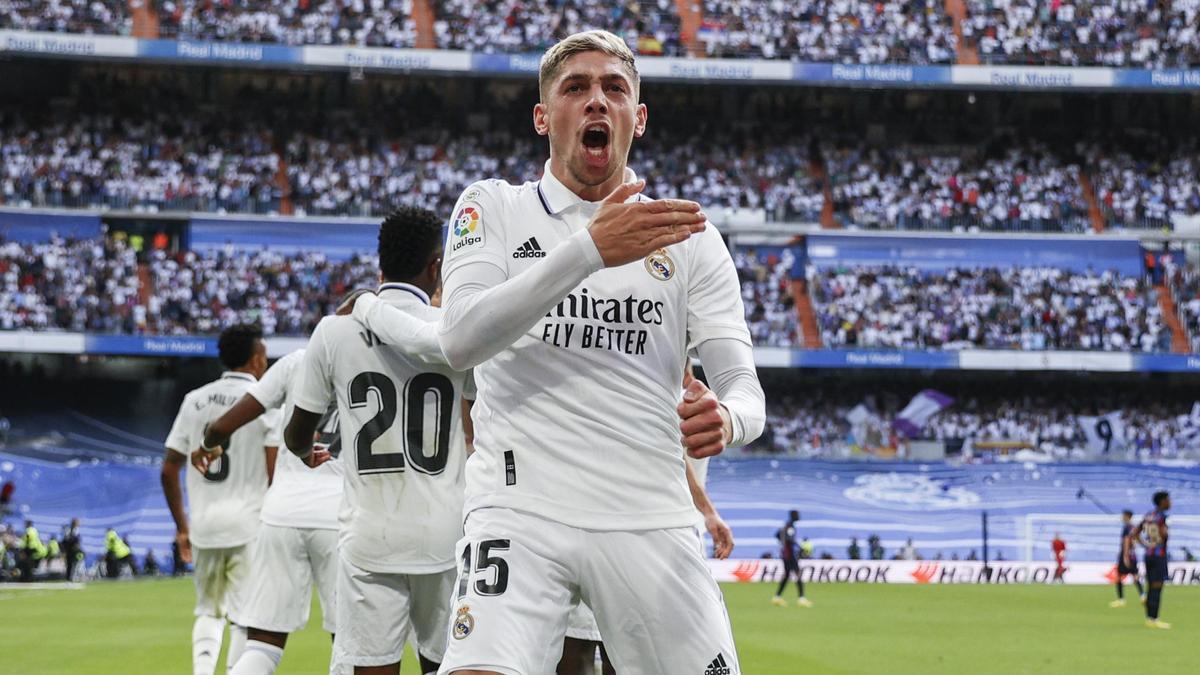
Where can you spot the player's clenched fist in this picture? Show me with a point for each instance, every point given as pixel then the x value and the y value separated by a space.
pixel 704 422
pixel 624 232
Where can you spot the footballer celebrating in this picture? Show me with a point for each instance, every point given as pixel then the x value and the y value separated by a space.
pixel 578 299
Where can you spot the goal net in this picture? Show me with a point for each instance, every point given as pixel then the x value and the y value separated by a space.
pixel 1097 537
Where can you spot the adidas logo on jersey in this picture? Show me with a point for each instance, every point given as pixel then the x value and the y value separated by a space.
pixel 530 249
pixel 718 666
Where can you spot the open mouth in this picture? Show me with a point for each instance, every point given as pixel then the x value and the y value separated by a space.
pixel 595 144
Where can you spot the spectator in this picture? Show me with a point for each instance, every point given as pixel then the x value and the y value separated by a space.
pixel 117 555
pixel 853 552
pixel 72 544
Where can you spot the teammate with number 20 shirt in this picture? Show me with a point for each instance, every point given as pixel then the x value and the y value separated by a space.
pixel 402 458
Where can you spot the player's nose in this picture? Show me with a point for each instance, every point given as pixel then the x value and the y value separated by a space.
pixel 597 103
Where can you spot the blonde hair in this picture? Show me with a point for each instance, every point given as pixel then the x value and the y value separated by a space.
pixel 579 43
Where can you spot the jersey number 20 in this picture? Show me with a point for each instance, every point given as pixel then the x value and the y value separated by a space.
pixel 416 394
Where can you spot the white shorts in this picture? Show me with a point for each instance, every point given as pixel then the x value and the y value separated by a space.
pixel 286 562
pixel 378 612
pixel 221 576
pixel 581 624
pixel 658 608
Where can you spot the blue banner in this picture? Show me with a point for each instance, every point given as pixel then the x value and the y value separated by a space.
pixel 882 74
pixel 940 253
pixel 27 227
pixel 1167 363
pixel 506 63
pixel 337 239
pixel 150 345
pixel 866 358
pixel 225 52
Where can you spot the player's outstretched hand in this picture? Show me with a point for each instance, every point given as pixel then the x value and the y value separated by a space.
pixel 721 534
pixel 202 459
pixel 703 420
pixel 624 232
pixel 185 546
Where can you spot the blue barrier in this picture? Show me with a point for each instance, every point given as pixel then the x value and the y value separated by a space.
pixel 27 227
pixel 337 239
pixel 652 68
pixel 940 253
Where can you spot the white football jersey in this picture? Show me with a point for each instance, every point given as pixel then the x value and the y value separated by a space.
pixel 403 446
pixel 300 496
pixel 223 503
pixel 576 421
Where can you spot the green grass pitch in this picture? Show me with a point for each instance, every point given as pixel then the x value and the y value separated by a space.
pixel 145 627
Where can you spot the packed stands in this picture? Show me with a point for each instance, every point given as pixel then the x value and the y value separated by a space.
pixel 650 27
pixel 987 421
pixel 1129 33
pixel 104 17
pixel 321 22
pixel 770 310
pixel 838 31
pixel 1015 308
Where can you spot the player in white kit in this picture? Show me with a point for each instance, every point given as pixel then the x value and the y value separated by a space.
pixel 297 541
pixel 578 299
pixel 402 460
pixel 224 502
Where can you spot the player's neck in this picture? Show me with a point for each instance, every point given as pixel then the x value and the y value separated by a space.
pixel 590 193
pixel 423 285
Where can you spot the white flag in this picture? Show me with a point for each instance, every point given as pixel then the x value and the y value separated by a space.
pixel 1104 433
pixel 924 405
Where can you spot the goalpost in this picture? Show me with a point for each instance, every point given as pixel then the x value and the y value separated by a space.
pixel 1095 537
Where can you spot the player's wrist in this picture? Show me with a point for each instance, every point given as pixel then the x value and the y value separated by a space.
pixel 209 448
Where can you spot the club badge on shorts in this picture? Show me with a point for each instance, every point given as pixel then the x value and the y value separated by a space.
pixel 660 266
pixel 464 623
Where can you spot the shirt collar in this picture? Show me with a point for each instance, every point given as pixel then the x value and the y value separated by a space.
pixel 408 288
pixel 557 197
pixel 239 376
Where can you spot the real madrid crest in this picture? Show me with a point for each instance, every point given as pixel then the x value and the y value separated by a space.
pixel 464 623
pixel 660 266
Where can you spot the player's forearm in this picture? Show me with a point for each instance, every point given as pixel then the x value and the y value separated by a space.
pixel 300 432
pixel 174 495
pixel 699 497
pixel 729 367
pixel 486 313
pixel 246 410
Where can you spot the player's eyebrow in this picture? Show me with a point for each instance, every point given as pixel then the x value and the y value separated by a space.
pixel 571 78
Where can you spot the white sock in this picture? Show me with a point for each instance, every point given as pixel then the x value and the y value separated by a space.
pixel 207 632
pixel 259 658
pixel 237 645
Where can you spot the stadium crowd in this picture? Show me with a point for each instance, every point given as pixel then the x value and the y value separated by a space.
pixel 986 425
pixel 1129 33
pixel 837 31
pixel 1018 308
pixel 1124 33
pixel 207 161
pixel 770 311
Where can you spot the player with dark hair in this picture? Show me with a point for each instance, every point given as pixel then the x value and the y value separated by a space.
pixel 1152 534
pixel 296 548
pixel 1127 560
pixel 789 553
pixel 224 501
pixel 400 421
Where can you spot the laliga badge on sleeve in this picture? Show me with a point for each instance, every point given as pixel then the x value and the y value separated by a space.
pixel 466 228
pixel 464 623
pixel 660 266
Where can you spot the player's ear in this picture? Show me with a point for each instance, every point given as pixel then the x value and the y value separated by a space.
pixel 541 119
pixel 642 115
